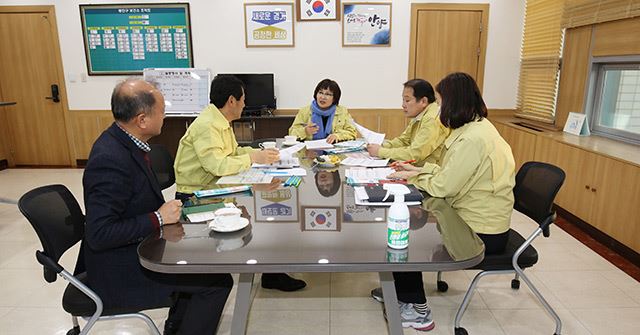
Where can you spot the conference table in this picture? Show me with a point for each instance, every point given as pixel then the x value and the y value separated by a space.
pixel 315 227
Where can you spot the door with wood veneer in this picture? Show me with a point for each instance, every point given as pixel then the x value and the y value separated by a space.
pixel 30 65
pixel 448 38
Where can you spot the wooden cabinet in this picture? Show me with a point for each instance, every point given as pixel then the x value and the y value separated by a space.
pixel 600 190
pixel 576 195
pixel 616 208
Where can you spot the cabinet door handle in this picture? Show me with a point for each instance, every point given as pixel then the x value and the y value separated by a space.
pixel 593 189
pixel 586 187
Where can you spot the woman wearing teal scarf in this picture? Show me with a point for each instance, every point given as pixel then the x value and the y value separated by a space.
pixel 324 118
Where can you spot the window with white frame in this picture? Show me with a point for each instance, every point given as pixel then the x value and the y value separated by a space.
pixel 615 105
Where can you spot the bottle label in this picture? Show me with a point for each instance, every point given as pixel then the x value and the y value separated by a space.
pixel 397 233
pixel 397 255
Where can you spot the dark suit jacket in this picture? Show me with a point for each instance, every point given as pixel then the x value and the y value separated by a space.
pixel 120 193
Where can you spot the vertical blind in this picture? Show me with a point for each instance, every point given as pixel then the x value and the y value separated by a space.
pixel 585 12
pixel 540 60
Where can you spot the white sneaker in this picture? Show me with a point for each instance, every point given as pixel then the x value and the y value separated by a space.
pixel 410 317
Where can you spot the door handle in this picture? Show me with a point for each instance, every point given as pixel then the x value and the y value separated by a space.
pixel 55 93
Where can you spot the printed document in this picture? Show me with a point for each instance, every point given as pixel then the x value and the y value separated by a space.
pixel 251 176
pixel 283 163
pixel 369 136
pixel 367 176
pixel 318 144
pixel 366 162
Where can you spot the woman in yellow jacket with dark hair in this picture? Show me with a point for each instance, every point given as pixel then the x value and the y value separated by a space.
pixel 324 118
pixel 476 177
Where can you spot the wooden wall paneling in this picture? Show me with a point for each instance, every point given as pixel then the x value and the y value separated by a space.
pixel 368 118
pixel 574 73
pixel 87 126
pixel 617 191
pixel 392 123
pixel 617 38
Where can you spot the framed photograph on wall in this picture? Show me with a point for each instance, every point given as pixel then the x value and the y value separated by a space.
pixel 268 24
pixel 276 206
pixel 366 24
pixel 321 218
pixel 318 10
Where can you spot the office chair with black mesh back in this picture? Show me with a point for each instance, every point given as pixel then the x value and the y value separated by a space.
pixel 162 165
pixel 536 187
pixel 58 221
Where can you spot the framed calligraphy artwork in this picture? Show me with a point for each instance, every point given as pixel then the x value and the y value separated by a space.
pixel 366 24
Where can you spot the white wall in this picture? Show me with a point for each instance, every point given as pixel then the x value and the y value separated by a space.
pixel 368 77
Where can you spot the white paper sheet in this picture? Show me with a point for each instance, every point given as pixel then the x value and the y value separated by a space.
pixel 367 176
pixel 251 176
pixel 366 162
pixel 318 144
pixel 282 163
pixel 288 152
pixel 369 136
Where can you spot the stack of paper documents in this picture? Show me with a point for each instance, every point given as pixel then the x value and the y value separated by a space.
pixel 367 176
pixel 366 162
pixel 251 176
pixel 282 163
pixel 318 144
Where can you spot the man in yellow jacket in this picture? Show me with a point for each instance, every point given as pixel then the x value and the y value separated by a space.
pixel 422 139
pixel 209 150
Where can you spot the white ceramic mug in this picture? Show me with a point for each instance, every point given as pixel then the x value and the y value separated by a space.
pixel 290 139
pixel 268 145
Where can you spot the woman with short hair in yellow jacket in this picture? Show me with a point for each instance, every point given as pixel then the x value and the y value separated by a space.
pixel 324 118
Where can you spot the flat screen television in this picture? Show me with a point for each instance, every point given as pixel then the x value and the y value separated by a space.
pixel 258 91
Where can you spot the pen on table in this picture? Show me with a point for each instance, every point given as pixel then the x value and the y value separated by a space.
pixel 404 162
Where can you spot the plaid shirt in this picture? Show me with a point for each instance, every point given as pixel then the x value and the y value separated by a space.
pixel 146 148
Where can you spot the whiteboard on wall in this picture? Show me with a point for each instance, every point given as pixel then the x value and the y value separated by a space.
pixel 186 91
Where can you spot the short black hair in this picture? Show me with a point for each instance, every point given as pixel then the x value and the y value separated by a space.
pixel 328 84
pixel 421 88
pixel 125 105
pixel 334 187
pixel 461 101
pixel 223 86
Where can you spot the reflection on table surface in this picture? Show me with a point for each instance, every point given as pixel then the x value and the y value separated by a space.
pixel 316 227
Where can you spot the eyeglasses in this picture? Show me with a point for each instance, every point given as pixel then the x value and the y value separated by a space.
pixel 326 94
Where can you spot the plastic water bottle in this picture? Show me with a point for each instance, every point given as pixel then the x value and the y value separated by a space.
pixel 398 218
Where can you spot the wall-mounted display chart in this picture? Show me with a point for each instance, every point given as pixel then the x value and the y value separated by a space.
pixel 125 39
pixel 185 91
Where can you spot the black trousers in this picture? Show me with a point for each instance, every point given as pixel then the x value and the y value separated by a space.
pixel 409 285
pixel 198 300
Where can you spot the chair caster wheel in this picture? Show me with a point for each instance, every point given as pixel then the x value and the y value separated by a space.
pixel 515 284
pixel 460 331
pixel 442 286
pixel 74 331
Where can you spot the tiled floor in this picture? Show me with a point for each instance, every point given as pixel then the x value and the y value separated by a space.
pixel 591 295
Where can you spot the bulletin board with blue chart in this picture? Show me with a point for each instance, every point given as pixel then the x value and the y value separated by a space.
pixel 126 39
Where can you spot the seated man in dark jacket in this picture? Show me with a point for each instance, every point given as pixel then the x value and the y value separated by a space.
pixel 124 205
